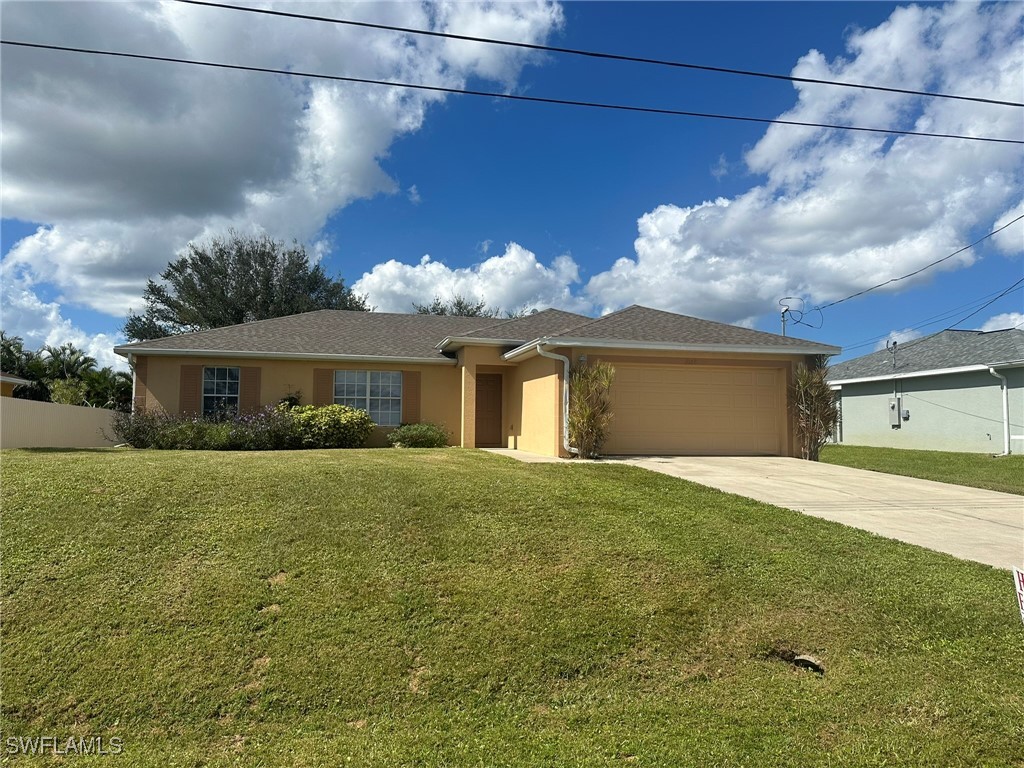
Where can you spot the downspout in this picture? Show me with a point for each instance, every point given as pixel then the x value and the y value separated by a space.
pixel 131 359
pixel 1006 410
pixel 565 396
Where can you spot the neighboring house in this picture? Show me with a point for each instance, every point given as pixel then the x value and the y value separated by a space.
pixel 952 391
pixel 8 382
pixel 682 385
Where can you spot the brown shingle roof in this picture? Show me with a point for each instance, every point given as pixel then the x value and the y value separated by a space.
pixel 545 323
pixel 655 326
pixel 341 333
pixel 326 332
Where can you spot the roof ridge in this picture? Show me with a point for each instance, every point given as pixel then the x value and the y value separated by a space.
pixel 509 320
pixel 193 334
pixel 602 317
pixel 689 317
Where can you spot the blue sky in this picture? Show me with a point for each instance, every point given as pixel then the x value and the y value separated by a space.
pixel 522 205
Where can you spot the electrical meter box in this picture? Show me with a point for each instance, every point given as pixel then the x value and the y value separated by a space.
pixel 895 411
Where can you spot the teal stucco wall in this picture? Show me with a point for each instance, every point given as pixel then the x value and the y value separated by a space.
pixel 954 412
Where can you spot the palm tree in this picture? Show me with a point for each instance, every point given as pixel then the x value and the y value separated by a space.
pixel 67 362
pixel 107 388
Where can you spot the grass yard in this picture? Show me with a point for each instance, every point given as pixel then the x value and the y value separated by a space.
pixel 979 470
pixel 451 607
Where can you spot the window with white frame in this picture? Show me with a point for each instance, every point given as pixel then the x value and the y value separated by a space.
pixel 220 391
pixel 377 392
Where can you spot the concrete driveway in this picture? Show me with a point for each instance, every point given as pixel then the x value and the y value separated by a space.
pixel 968 523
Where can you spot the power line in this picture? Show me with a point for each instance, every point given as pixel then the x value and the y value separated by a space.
pixel 987 304
pixel 496 95
pixel 941 317
pixel 596 54
pixel 922 269
pixel 1006 292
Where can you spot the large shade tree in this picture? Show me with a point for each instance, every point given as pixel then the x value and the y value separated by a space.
pixel 235 279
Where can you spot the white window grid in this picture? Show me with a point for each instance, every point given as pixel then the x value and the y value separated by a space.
pixel 220 391
pixel 377 392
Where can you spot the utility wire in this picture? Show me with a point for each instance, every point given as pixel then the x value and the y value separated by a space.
pixel 1006 292
pixel 496 95
pixel 987 304
pixel 922 269
pixel 933 320
pixel 596 54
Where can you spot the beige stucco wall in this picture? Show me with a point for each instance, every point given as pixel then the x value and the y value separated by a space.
pixel 439 385
pixel 34 424
pixel 533 411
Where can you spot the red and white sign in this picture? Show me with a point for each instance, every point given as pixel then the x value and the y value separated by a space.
pixel 1018 580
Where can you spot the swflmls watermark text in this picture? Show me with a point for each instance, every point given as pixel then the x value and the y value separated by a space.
pixel 60 745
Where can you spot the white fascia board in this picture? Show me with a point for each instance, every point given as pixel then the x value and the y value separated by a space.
pixel 460 341
pixel 922 374
pixel 662 346
pixel 282 356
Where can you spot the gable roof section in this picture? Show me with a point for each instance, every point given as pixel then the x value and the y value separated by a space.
pixel 328 333
pixel 938 352
pixel 654 328
pixel 543 323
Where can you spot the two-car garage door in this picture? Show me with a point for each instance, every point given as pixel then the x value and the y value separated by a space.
pixel 697 410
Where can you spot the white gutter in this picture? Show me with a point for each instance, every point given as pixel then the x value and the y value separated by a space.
pixel 932 372
pixel 1006 410
pixel 567 341
pixel 565 393
pixel 228 353
pixel 463 340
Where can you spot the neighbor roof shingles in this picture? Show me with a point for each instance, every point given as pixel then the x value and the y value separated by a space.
pixel 326 332
pixel 946 349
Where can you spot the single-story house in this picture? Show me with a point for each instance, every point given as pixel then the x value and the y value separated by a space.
pixel 8 381
pixel 683 385
pixel 951 391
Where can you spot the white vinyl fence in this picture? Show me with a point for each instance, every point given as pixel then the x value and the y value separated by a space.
pixel 31 424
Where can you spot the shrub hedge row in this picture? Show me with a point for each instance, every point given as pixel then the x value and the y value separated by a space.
pixel 271 429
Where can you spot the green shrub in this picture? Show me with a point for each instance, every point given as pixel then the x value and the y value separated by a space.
pixel 331 426
pixel 425 435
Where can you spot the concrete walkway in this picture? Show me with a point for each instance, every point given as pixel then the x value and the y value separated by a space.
pixel 969 523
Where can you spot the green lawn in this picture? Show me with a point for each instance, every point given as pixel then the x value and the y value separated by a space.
pixel 457 608
pixel 980 470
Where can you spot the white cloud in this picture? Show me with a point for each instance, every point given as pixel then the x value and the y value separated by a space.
pixel 1011 240
pixel 838 211
pixel 899 337
pixel 414 195
pixel 40 323
pixel 1005 320
pixel 124 162
pixel 514 280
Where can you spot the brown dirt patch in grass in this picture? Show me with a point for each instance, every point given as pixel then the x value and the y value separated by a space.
pixel 277 579
pixel 272 608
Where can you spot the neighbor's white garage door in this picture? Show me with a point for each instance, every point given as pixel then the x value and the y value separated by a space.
pixel 696 410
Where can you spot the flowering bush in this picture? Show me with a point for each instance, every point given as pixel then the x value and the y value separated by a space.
pixel 331 426
pixel 270 429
